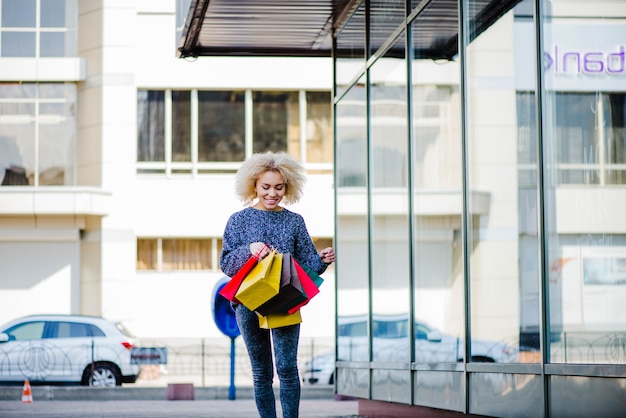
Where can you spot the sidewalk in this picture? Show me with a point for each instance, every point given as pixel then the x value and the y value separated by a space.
pixel 134 402
pixel 244 408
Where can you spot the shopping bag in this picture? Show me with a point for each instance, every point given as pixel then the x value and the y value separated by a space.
pixel 230 289
pixel 262 283
pixel 290 292
pixel 310 283
pixel 277 320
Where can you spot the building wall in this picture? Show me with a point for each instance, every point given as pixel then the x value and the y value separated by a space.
pixel 86 261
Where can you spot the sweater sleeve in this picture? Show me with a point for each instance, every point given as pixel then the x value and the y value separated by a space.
pixel 305 251
pixel 235 252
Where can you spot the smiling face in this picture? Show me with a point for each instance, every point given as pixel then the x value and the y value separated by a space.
pixel 270 189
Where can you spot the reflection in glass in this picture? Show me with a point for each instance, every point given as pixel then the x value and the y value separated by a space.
pixel 181 125
pixel 19 13
pixel 150 125
pixel 437 255
pixel 52 14
pixel 350 50
pixel 385 17
pixel 584 125
pixel 46 136
pixel 52 44
pixel 221 126
pixel 352 226
pixel 389 197
pixel 319 127
pixel 275 120
pixel 503 219
pixel 18 44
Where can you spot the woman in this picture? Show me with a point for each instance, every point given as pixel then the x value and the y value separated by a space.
pixel 267 180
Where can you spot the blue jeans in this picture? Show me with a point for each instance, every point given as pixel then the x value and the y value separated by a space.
pixel 259 345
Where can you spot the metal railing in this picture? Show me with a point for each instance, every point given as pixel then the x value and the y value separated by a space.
pixel 206 361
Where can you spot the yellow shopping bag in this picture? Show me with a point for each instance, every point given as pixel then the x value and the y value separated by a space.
pixel 262 283
pixel 277 320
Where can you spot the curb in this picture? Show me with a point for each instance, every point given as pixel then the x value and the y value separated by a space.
pixel 82 393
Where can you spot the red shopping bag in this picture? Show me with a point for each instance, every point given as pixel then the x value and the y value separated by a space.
pixel 230 289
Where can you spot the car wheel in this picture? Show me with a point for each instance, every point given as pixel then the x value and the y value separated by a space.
pixel 331 381
pixel 102 375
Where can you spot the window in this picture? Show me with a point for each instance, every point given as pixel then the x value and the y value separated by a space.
pixel 37 134
pixel 177 254
pixel 319 127
pixel 205 131
pixel 221 126
pixel 74 330
pixel 28 331
pixel 38 28
pixel 151 125
pixel 590 137
pixel 275 122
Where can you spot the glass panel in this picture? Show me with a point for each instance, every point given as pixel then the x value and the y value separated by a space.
pixel 437 245
pixel 221 126
pixel 28 331
pixel 57 144
pixel 385 17
pixel 147 254
pixel 181 125
pixel 150 125
pixel 18 44
pixel 182 9
pixel 352 226
pixel 503 226
pixel 492 394
pixel 52 13
pixel 389 197
pixel 17 134
pixel 570 396
pixel 276 122
pixel 350 50
pixel 319 128
pixel 585 154
pixel 52 44
pixel 439 389
pixel 391 385
pixel 18 13
pixel 72 330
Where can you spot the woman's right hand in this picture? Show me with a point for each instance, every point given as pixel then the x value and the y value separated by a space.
pixel 259 250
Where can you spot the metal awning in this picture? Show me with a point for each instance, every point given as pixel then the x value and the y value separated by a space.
pixel 305 27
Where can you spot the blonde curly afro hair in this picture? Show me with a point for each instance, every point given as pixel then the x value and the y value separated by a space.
pixel 292 171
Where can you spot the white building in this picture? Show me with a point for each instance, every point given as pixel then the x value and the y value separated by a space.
pixel 93 223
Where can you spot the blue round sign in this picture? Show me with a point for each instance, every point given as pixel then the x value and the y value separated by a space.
pixel 223 314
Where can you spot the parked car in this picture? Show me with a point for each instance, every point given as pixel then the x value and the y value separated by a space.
pixel 70 349
pixel 391 344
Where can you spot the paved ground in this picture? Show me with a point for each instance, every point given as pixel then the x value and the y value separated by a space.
pixel 240 408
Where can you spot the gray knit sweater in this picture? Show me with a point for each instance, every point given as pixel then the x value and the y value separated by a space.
pixel 283 230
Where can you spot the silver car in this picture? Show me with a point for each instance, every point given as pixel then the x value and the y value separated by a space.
pixel 78 349
pixel 389 337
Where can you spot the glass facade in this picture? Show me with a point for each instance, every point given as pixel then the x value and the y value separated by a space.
pixel 480 180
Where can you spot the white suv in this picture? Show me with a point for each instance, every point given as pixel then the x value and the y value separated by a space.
pixel 87 350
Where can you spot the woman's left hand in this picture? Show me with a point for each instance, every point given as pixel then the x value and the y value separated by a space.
pixel 327 255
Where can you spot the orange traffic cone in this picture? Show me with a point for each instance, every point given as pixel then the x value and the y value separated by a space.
pixel 27 395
